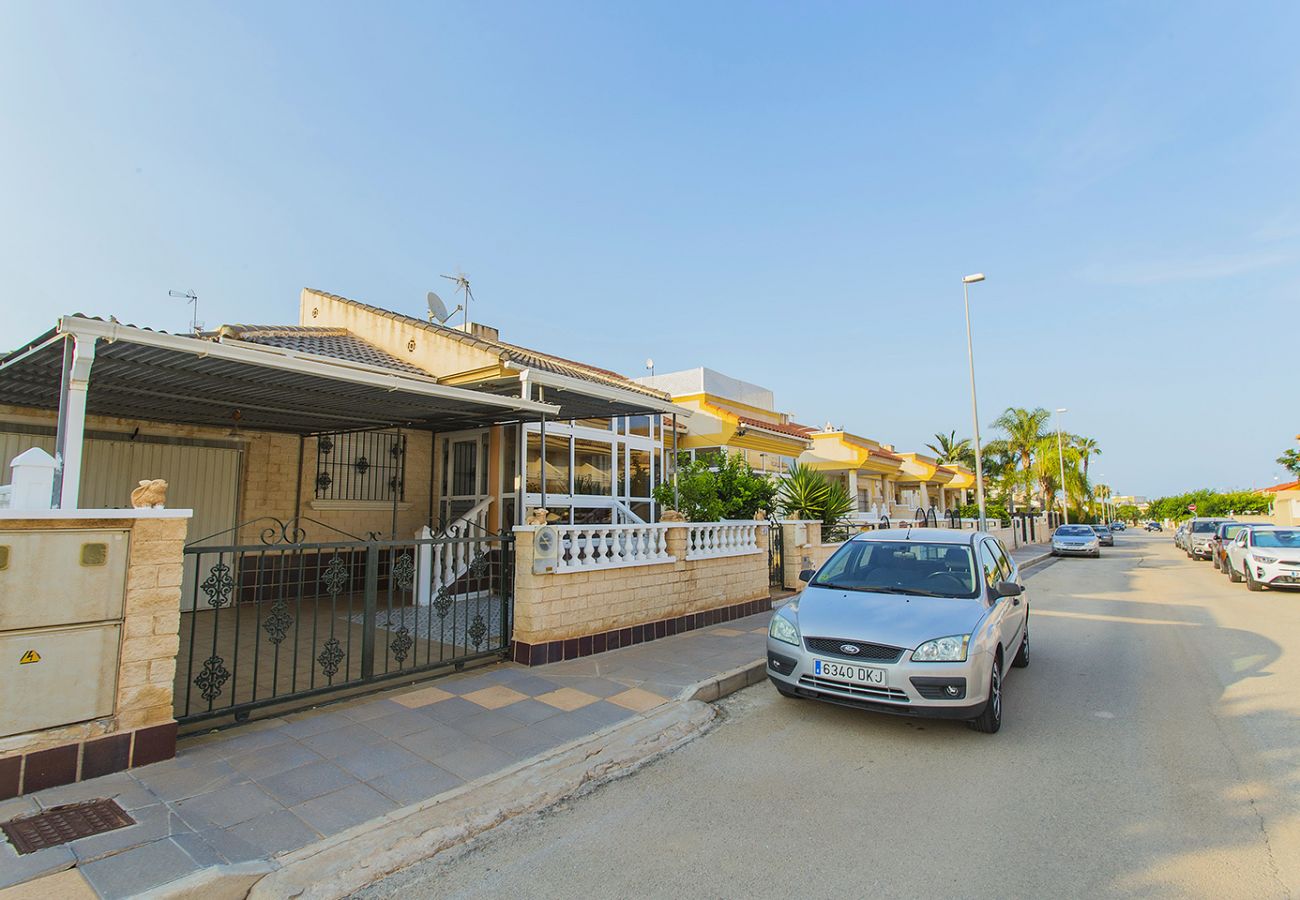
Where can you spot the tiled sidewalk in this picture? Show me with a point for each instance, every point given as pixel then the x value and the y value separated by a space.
pixel 274 786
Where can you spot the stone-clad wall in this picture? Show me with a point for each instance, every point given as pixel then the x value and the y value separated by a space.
pixel 141 729
pixel 571 614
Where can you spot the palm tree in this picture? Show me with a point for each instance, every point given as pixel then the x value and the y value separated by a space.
pixel 950 450
pixel 1087 448
pixel 1048 464
pixel 1024 430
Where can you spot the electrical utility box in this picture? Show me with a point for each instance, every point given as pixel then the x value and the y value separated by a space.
pixel 62 594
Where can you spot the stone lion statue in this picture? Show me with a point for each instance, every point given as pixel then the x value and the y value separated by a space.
pixel 151 494
pixel 536 516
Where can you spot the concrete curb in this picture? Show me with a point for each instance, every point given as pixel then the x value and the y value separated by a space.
pixel 727 682
pixel 346 862
pixel 1035 560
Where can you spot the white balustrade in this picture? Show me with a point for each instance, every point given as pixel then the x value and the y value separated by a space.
pixel 588 547
pixel 439 564
pixel 709 539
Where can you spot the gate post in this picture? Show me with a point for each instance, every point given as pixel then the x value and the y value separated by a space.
pixel 368 617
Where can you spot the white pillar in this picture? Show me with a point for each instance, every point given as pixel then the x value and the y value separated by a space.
pixel 943 505
pixel 925 496
pixel 78 355
pixel 853 487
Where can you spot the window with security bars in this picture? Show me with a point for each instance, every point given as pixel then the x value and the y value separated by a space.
pixel 361 465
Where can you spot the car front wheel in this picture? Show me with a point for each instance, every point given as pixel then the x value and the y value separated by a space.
pixel 990 720
pixel 1251 583
pixel 1232 574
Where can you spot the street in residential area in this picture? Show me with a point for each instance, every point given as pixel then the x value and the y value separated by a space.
pixel 1149 750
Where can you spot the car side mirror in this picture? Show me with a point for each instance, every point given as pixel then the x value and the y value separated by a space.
pixel 1006 589
pixel 806 575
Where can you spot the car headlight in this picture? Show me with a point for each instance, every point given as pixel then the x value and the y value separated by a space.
pixel 1266 560
pixel 782 629
pixel 944 649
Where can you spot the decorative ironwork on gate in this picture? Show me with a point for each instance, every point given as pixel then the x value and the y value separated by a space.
pixel 775 553
pixel 287 618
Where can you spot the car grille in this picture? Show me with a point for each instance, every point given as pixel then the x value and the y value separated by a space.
pixel 856 690
pixel 866 651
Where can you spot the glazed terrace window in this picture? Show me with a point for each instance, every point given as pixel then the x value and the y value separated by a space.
pixel 360 465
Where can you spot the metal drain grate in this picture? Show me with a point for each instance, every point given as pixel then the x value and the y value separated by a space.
pixel 62 824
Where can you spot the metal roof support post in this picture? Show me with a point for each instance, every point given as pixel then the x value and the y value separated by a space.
pixel 78 356
pixel 675 500
pixel 541 463
pixel 521 445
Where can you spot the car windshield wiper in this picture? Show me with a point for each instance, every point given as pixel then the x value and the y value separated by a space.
pixel 913 592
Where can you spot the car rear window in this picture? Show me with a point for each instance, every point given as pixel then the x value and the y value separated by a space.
pixel 1202 527
pixel 901 567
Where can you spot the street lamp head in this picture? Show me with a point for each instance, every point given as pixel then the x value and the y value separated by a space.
pixel 1062 409
pixel 971 279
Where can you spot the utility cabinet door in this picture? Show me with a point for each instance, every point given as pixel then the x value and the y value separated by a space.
pixel 52 578
pixel 74 679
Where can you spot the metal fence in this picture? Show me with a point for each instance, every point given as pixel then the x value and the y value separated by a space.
pixel 288 618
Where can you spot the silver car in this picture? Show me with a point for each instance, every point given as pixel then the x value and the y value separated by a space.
pixel 913 622
pixel 1076 540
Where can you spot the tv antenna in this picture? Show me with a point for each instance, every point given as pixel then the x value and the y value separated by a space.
pixel 193 299
pixel 438 310
pixel 462 285
pixel 650 364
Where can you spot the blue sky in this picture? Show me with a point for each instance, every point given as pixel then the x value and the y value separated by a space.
pixel 788 193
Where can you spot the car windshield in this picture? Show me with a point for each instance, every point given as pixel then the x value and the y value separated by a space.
pixel 1229 531
pixel 1202 527
pixel 901 567
pixel 1281 538
pixel 1075 530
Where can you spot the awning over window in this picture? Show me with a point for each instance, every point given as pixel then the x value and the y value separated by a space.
pixel 142 374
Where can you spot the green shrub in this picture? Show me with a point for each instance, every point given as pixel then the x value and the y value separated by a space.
pixel 723 486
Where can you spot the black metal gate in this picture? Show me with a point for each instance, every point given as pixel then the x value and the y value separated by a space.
pixel 288 618
pixel 775 553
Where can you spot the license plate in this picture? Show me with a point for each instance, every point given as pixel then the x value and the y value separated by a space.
pixel 826 668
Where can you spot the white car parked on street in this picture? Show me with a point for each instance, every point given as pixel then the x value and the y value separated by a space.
pixel 1265 556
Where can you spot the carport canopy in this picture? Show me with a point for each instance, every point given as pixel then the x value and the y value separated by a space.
pixel 106 368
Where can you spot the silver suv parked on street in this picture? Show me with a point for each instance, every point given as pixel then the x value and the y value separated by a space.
pixel 914 622
pixel 1199 534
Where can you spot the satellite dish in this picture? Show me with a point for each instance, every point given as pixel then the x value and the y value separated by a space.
pixel 437 309
pixel 649 363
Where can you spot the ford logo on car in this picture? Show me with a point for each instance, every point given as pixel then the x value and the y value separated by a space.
pixel 851 649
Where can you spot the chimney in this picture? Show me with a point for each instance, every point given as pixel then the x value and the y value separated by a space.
pixel 485 332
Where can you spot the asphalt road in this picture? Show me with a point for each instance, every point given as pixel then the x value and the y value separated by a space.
pixel 1151 749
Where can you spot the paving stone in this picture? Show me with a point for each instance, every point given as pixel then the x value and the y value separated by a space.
pixel 567 699
pixel 486 724
pixel 466 684
pixel 17 806
pixel 398 723
pixel 152 823
pixel 303 783
pixel 121 787
pixel 452 710
pixel 523 743
pixel 422 697
pixel 243 741
pixel 301 725
pixel 435 742
pixel 596 687
pixel 199 849
pixel 565 727
pixel 268 761
pixel 416 783
pixel 603 714
pixel 528 711
pixel 495 697
pixel 15 869
pixel 227 806
pixel 128 874
pixel 367 710
pixel 474 759
pixel 343 809
pixel 227 844
pixel 340 741
pixel 637 700
pixel 532 685
pixel 275 832
pixel 176 782
pixel 372 762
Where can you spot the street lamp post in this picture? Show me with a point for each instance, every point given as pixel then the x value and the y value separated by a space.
pixel 1060 457
pixel 966 282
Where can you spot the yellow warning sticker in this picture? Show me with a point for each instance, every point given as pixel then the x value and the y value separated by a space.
pixel 31 656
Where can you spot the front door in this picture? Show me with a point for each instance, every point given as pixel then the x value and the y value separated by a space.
pixel 465 473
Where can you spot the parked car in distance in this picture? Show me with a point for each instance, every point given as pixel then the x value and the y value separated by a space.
pixel 1118 526
pixel 1076 540
pixel 913 622
pixel 1223 536
pixel 1154 526
pixel 1180 535
pixel 1265 556
pixel 1105 536
pixel 1199 534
